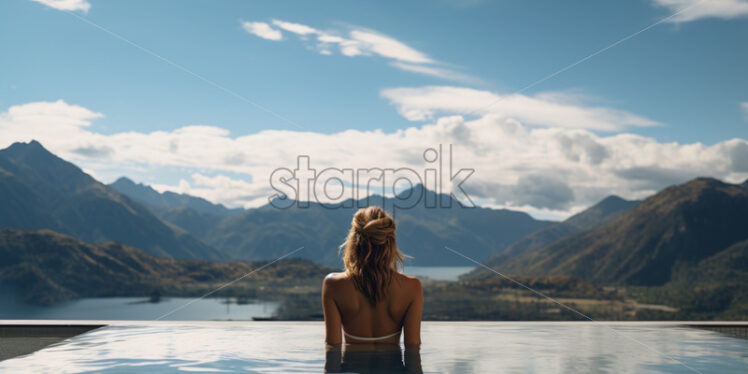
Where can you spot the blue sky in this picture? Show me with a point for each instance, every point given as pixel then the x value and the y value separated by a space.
pixel 682 81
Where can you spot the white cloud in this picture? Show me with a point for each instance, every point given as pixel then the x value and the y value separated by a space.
pixel 436 72
pixel 263 30
pixel 358 42
pixel 550 109
pixel 219 188
pixel 515 166
pixel 744 106
pixel 697 9
pixel 295 28
pixel 70 5
pixel 362 42
pixel 388 47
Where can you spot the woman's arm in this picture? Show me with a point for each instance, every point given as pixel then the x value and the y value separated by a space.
pixel 412 325
pixel 333 335
pixel 412 359
pixel 334 359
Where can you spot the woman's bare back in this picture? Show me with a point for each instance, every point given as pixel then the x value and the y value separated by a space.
pixel 347 308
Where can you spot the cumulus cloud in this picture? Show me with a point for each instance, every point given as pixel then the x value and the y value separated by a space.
pixel 359 42
pixel 263 30
pixel 738 155
pixel 691 10
pixel 543 191
pixel 70 5
pixel 558 170
pixel 93 151
pixel 219 188
pixel 553 110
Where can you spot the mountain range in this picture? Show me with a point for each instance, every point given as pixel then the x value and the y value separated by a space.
pixel 606 210
pixel 169 200
pixel 67 235
pixel 423 233
pixel 267 232
pixel 39 190
pixel 613 242
pixel 652 244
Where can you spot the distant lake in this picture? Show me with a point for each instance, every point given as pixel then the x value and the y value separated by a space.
pixel 445 273
pixel 136 308
pixel 208 309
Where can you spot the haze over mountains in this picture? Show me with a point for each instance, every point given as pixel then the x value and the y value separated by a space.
pixel 169 200
pixel 267 232
pixel 422 232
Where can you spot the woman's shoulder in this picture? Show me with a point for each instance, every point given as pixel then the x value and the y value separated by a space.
pixel 334 278
pixel 409 281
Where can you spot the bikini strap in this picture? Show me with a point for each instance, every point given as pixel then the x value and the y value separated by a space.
pixel 371 339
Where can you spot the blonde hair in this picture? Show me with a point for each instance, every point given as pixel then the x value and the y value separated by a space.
pixel 371 256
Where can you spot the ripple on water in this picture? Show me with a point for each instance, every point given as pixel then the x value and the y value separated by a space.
pixel 231 347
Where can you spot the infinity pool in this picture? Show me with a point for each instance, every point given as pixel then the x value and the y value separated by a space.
pixel 449 347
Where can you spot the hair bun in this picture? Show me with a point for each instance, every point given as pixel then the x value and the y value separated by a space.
pixel 379 230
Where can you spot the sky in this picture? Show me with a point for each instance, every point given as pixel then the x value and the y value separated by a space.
pixel 554 105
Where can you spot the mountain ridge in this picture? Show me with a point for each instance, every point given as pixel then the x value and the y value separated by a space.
pixel 605 210
pixel 681 224
pixel 39 190
pixel 146 195
pixel 267 232
pixel 183 226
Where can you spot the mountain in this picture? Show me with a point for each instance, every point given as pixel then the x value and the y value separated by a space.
pixel 193 214
pixel 607 209
pixel 422 233
pixel 45 267
pixel 677 228
pixel 268 232
pixel 39 190
pixel 42 191
pixel 146 195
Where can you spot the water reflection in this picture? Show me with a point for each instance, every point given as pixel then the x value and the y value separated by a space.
pixel 134 308
pixel 464 347
pixel 373 358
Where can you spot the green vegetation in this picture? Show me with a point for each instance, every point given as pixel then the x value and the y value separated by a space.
pixel 714 288
pixel 44 267
pixel 686 247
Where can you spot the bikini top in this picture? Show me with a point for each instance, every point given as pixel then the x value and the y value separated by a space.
pixel 371 339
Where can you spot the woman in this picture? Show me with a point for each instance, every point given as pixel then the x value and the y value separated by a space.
pixel 371 302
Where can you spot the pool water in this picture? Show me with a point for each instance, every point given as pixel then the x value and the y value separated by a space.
pixel 449 347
